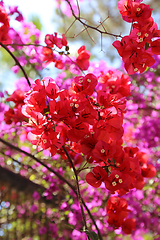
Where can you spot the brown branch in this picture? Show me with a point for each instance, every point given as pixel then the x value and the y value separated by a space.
pixel 101 23
pixel 89 35
pixel 58 175
pixel 89 26
pixel 17 62
pixel 79 13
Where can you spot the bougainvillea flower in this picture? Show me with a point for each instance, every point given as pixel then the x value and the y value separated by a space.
pixel 17 97
pixel 148 170
pixel 132 11
pixel 116 82
pixel 117 211
pixel 84 85
pixel 116 219
pixel 47 56
pixel 4 26
pixel 89 114
pixel 142 157
pixel 117 181
pixel 103 150
pixel 116 204
pixel 78 130
pixel 155 47
pixel 139 183
pixel 129 225
pixel 52 90
pixel 52 40
pixel 136 58
pixel 83 58
pixel 96 177
pixel 88 143
pixel 13 115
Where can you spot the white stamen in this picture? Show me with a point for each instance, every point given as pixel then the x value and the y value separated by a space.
pixel 102 151
pixel 76 105
pixel 114 184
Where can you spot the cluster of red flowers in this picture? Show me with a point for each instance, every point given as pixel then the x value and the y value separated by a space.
pixel 127 171
pixel 117 214
pixel 138 48
pixel 52 40
pixel 4 26
pixel 47 55
pixel 89 123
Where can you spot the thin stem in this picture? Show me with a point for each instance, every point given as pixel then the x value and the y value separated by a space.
pixel 75 64
pixel 79 13
pixel 39 45
pixel 78 189
pixel 17 62
pixel 70 26
pixel 81 168
pixel 131 27
pixel 27 44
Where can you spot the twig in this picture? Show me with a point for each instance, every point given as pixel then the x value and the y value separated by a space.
pixel 78 189
pixel 79 13
pixel 89 26
pixel 39 45
pixel 17 62
pixel 70 26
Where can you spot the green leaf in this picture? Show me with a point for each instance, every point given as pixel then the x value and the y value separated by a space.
pixel 92 235
pixel 109 161
pixel 114 161
pixel 146 45
pixel 61 53
pixel 67 48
